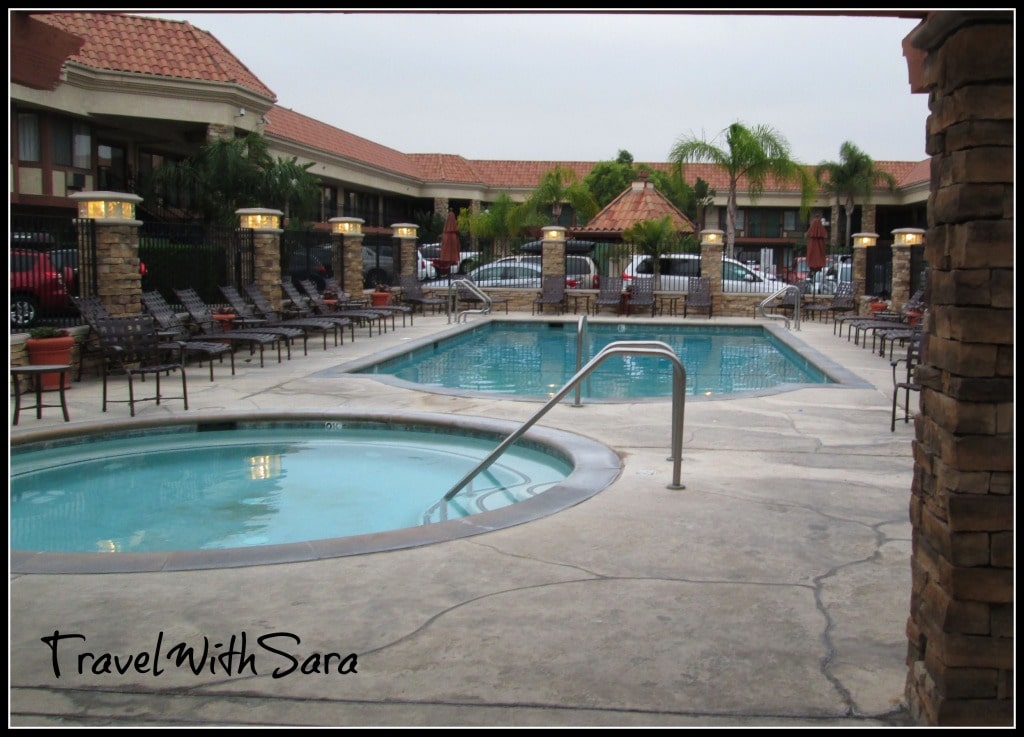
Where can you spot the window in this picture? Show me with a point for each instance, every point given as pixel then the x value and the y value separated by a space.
pixel 740 219
pixel 28 137
pixel 72 144
pixel 110 168
pixel 789 220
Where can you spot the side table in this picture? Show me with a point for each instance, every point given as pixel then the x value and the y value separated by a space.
pixel 36 374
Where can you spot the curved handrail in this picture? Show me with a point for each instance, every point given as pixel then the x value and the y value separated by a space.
pixel 581 339
pixel 775 295
pixel 488 303
pixel 638 348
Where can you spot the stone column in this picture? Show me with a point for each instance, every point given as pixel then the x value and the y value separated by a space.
pixel 266 241
pixel 712 248
pixel 405 248
pixel 859 275
pixel 552 251
pixel 903 240
pixel 118 281
pixel 961 626
pixel 347 256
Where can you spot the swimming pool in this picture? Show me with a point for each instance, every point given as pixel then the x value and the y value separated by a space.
pixel 535 359
pixel 243 490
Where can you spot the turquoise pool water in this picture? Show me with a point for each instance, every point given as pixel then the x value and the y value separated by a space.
pixel 536 359
pixel 218 488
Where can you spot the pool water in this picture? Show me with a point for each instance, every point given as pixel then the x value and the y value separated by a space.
pixel 220 488
pixel 535 359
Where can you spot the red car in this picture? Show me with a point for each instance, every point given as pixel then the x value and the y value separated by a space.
pixel 37 287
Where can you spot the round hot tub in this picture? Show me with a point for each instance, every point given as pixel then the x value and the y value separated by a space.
pixel 230 490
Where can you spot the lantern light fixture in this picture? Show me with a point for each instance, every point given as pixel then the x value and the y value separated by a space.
pixel 346 226
pixel 404 230
pixel 109 207
pixel 908 236
pixel 259 218
pixel 553 233
pixel 864 240
pixel 711 237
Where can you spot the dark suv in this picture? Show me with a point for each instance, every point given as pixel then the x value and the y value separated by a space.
pixel 38 287
pixel 314 263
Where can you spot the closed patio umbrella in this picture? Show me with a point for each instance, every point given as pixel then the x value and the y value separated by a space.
pixel 451 248
pixel 816 235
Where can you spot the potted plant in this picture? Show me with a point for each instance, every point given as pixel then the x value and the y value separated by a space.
pixel 50 346
pixel 381 296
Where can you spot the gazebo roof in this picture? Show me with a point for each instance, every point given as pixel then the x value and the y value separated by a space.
pixel 641 201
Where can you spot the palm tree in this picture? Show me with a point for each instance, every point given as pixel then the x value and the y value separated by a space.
pixel 654 238
pixel 501 221
pixel 559 186
pixel 853 177
pixel 752 153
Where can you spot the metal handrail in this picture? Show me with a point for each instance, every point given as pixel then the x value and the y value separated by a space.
pixel 581 341
pixel 796 306
pixel 488 303
pixel 636 348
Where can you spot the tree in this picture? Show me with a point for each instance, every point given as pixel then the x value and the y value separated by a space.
pixel 230 173
pixel 654 238
pixel 853 177
pixel 557 187
pixel 608 179
pixel 752 153
pixel 501 220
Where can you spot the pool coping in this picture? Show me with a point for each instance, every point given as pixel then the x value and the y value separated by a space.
pixel 841 377
pixel 595 467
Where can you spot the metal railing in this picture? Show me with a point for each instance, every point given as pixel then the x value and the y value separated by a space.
pixel 796 305
pixel 453 290
pixel 634 348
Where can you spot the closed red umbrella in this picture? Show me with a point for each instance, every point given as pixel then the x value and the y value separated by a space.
pixel 451 248
pixel 816 236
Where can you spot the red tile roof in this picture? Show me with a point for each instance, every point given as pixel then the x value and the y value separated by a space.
pixel 168 48
pixel 286 123
pixel 142 45
pixel 640 201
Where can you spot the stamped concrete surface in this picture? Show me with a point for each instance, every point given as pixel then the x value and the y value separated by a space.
pixel 772 591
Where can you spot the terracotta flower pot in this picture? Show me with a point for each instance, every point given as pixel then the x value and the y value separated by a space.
pixel 42 351
pixel 380 299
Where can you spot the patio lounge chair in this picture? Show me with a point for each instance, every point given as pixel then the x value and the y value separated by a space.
pixel 364 315
pixel 641 294
pixel 202 318
pixel 904 379
pixel 552 292
pixel 249 319
pixel 300 304
pixel 346 300
pixel 610 294
pixel 698 295
pixel 170 327
pixel 131 346
pixel 412 294
pixel 842 301
pixel 263 308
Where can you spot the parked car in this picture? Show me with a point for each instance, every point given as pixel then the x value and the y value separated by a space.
pixel 828 279
pixel 315 263
pixel 468 260
pixel 38 288
pixel 676 268
pixel 425 269
pixel 580 271
pixel 507 274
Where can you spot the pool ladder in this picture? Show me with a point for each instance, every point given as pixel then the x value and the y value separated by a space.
pixel 624 347
pixel 775 295
pixel 488 303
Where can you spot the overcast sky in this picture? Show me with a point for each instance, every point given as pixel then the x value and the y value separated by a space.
pixel 580 87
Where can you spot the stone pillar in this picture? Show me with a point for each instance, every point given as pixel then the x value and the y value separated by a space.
pixel 868 216
pixel 961 625
pixel 347 257
pixel 903 240
pixel 552 251
pixel 405 248
pixel 712 248
pixel 266 241
pixel 118 281
pixel 859 275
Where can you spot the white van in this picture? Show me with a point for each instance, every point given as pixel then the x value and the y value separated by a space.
pixel 677 268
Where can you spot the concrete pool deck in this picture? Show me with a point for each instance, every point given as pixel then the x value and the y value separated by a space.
pixel 772 591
